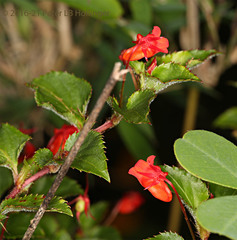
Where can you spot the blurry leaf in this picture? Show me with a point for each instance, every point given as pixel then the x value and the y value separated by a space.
pixel 109 9
pixel 137 107
pixel 64 94
pixel 167 72
pixel 138 66
pixel 219 215
pixel 208 156
pixel 189 59
pixel 6 180
pixel 18 223
pixel 219 191
pixel 61 234
pixel 166 236
pixel 67 188
pixel 98 212
pixel 91 157
pixel 171 13
pixel 191 189
pixel 31 203
pixel 139 139
pixel 141 11
pixel 227 119
pixel 42 157
pixel 12 142
pixel 102 232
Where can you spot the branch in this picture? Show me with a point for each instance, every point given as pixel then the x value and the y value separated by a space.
pixel 115 76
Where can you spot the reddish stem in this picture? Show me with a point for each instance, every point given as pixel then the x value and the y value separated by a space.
pixel 183 210
pixel 108 124
pixel 3 229
pixel 133 78
pixel 31 179
pixel 121 92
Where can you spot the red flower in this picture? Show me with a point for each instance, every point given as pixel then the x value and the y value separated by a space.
pixel 29 148
pixel 152 178
pixel 130 202
pixel 145 47
pixel 152 66
pixel 57 142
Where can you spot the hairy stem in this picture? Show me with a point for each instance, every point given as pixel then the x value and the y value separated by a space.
pixel 183 210
pixel 115 76
pixel 17 189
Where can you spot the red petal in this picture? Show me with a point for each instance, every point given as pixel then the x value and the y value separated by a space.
pixel 156 31
pixel 161 191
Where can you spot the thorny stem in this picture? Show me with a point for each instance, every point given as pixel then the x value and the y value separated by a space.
pixel 115 76
pixel 17 189
pixel 183 210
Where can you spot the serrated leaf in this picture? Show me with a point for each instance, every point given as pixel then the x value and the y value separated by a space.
pixel 166 236
pixel 189 59
pixel 43 157
pixel 31 203
pixel 167 72
pixel 152 83
pixel 12 142
pixel 219 215
pixel 64 94
pixel 191 189
pixel 208 156
pixel 68 188
pixel 91 157
pixel 110 9
pixel 227 120
pixel 137 107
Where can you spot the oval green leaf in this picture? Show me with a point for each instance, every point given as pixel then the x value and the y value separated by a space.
pixel 219 215
pixel 166 236
pixel 208 156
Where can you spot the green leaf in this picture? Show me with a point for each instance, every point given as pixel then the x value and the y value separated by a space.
pixel 67 188
pixel 191 189
pixel 167 72
pixel 227 119
pixel 219 215
pixel 102 232
pixel 137 107
pixel 31 203
pixel 208 156
pixel 17 224
pixel 141 11
pixel 98 212
pixel 189 59
pixel 43 157
pixel 64 94
pixel 12 142
pixel 109 9
pixel 219 191
pixel 6 180
pixel 166 236
pixel 91 157
pixel 139 139
pixel 138 66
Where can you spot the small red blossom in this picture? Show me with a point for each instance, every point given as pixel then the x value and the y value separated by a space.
pixel 152 178
pixel 146 47
pixel 29 149
pixel 130 202
pixel 57 142
pixel 152 66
